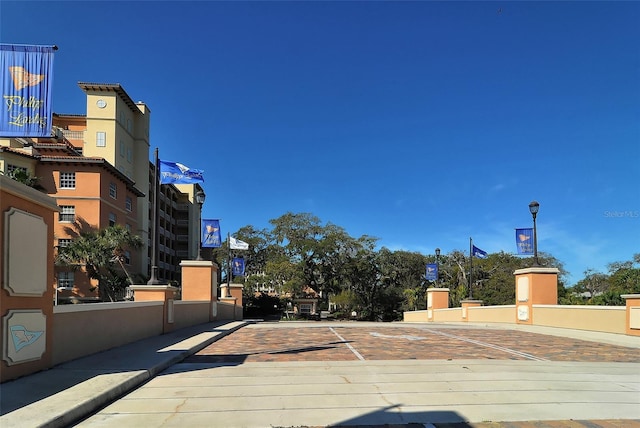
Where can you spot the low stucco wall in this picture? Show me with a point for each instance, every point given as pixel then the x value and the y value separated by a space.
pixel 450 315
pixel 501 314
pixel 188 313
pixel 80 330
pixel 607 319
pixel 415 316
pixel 228 311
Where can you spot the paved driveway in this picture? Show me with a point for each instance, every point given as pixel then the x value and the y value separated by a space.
pixel 359 374
pixel 375 341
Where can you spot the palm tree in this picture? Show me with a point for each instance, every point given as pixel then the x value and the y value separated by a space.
pixel 98 251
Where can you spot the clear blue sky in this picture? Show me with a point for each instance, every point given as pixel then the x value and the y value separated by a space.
pixel 420 123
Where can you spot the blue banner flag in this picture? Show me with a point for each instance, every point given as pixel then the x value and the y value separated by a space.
pixel 238 266
pixel 27 79
pixel 432 272
pixel 177 173
pixel 211 234
pixel 477 252
pixel 524 241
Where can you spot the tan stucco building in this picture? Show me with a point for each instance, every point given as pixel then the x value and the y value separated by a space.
pixel 96 166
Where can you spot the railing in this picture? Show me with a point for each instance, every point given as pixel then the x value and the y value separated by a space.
pixel 73 135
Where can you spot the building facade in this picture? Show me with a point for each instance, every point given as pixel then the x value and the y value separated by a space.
pixel 97 168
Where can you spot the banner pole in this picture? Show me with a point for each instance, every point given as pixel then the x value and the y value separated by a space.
pixel 229 274
pixel 154 280
pixel 470 267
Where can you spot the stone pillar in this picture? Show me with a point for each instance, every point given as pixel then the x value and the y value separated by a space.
pixel 200 282
pixel 534 286
pixel 633 314
pixel 466 304
pixel 158 293
pixel 27 280
pixel 233 295
pixel 437 298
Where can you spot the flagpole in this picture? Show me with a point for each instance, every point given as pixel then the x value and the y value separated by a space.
pixel 229 274
pixel 155 236
pixel 470 267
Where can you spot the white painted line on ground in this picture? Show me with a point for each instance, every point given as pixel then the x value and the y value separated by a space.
pixel 404 336
pixel 356 353
pixel 489 345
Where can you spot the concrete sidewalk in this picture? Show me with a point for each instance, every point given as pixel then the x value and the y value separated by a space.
pixel 71 391
pixel 66 394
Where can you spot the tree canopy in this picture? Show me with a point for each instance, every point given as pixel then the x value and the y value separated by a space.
pixel 300 252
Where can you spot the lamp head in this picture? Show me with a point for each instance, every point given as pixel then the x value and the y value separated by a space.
pixel 534 206
pixel 200 196
pixel 437 252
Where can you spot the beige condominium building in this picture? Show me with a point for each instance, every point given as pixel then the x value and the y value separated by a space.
pixel 96 165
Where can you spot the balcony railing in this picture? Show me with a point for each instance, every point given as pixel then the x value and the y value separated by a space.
pixel 73 135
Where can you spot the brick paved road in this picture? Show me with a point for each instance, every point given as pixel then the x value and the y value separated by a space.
pixel 262 343
pixel 376 375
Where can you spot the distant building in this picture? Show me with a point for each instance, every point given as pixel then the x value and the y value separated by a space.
pixel 97 167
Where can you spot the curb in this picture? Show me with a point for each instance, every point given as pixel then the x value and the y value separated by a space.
pixel 55 412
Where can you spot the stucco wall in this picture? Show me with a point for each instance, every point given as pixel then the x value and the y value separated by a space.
pixel 415 316
pixel 444 315
pixel 80 330
pixel 227 311
pixel 608 319
pixel 501 314
pixel 190 313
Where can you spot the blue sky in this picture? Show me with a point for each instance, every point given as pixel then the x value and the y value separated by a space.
pixel 420 123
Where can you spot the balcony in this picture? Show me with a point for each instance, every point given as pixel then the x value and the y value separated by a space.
pixel 73 135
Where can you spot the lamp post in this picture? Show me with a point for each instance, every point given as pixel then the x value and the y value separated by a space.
pixel 534 206
pixel 437 265
pixel 200 196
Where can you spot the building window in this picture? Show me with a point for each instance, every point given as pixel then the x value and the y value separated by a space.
pixel 127 258
pixel 305 308
pixel 12 169
pixel 65 279
pixel 67 180
pixel 112 219
pixel 67 214
pixel 63 242
pixel 113 190
pixel 101 139
pixel 128 204
pixel 129 155
pixel 121 148
pixel 128 227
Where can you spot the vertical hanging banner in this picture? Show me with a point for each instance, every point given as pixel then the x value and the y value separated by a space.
pixel 211 234
pixel 27 80
pixel 524 241
pixel 238 266
pixel 432 272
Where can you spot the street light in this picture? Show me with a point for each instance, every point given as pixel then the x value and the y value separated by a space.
pixel 437 265
pixel 534 206
pixel 200 196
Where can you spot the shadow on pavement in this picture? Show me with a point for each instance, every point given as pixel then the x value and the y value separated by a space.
pixel 389 416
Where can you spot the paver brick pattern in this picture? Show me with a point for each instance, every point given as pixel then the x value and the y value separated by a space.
pixel 324 343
